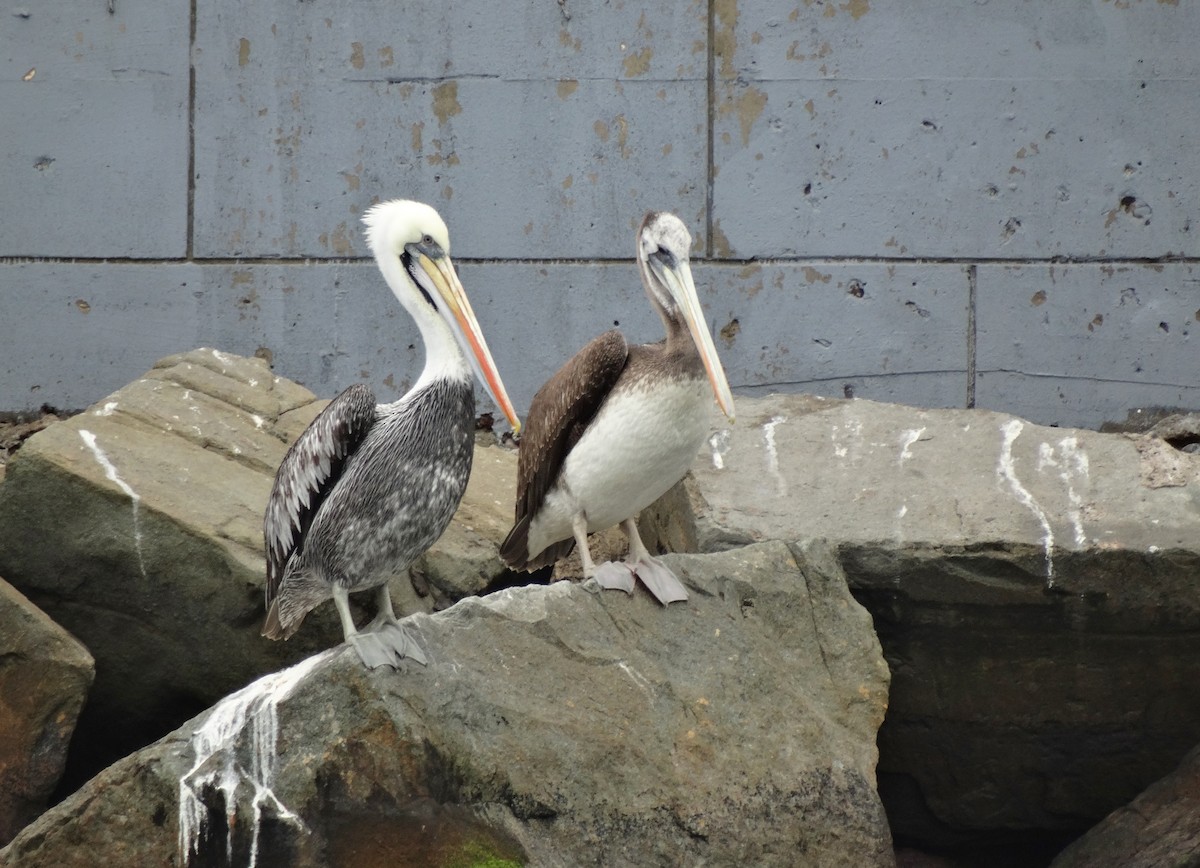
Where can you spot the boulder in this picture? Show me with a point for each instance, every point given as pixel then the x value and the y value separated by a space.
pixel 554 725
pixel 44 679
pixel 137 525
pixel 1034 590
pixel 1158 829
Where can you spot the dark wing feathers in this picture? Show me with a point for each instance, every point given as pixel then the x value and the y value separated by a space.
pixel 309 470
pixel 557 418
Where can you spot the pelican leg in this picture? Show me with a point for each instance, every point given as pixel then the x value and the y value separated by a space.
pixel 613 576
pixel 383 609
pixel 392 632
pixel 655 575
pixel 383 643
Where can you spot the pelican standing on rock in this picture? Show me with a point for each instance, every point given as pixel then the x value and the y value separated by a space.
pixel 368 487
pixel 617 426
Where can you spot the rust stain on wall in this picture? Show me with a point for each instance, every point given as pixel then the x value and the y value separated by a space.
pixel 622 136
pixel 601 129
pixel 719 241
pixel 823 51
pixel 356 55
pixel 749 107
pixel 725 34
pixel 856 8
pixel 445 101
pixel 83 306
pixel 1038 298
pixel 566 87
pixel 751 287
pixel 243 51
pixel 565 39
pixel 417 129
pixel 638 63
pixel 339 241
pixel 386 56
pixel 814 276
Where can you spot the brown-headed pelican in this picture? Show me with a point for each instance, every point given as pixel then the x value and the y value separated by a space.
pixel 617 426
pixel 368 487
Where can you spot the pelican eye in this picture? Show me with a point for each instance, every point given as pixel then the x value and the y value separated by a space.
pixel 665 256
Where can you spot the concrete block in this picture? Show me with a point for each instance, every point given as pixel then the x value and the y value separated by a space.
pixel 1085 344
pixel 885 332
pixel 93 148
pixel 850 129
pixel 76 332
pixel 765 40
pixel 532 135
pixel 867 330
pixel 991 169
pixel 326 325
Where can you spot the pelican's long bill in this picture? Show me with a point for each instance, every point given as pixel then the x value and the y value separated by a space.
pixel 461 318
pixel 678 279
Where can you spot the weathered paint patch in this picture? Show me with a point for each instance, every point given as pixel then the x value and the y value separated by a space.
pixel 445 101
pixel 638 63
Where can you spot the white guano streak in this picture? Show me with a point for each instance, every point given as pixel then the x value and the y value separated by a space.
pixel 89 440
pixel 718 443
pixel 773 454
pixel 1007 471
pixel 1075 463
pixel 907 439
pixel 252 710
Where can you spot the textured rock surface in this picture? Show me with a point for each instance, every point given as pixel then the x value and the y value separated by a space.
pixel 137 526
pixel 1034 590
pixel 1158 829
pixel 553 724
pixel 44 679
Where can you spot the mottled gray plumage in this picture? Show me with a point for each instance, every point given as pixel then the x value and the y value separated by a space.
pixel 367 488
pixel 362 493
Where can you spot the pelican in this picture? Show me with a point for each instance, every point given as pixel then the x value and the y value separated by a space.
pixel 617 426
pixel 369 487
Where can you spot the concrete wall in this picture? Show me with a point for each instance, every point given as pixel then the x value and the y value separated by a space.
pixel 944 204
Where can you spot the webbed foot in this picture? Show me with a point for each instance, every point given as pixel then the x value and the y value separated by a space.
pixel 401 643
pixel 660 581
pixel 614 576
pixel 386 645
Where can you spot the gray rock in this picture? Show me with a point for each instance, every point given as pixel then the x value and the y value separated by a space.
pixel 1034 590
pixel 1158 829
pixel 44 679
pixel 553 726
pixel 137 525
